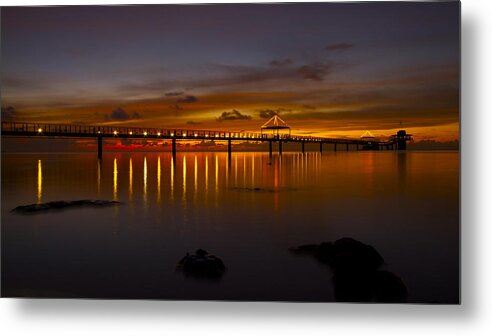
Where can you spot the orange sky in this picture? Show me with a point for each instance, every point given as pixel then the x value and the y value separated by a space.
pixel 336 72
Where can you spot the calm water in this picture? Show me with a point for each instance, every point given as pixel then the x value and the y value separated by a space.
pixel 404 204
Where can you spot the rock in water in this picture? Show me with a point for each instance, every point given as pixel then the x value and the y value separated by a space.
pixel 57 205
pixel 356 274
pixel 202 265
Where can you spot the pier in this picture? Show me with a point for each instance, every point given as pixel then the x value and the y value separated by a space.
pixel 99 133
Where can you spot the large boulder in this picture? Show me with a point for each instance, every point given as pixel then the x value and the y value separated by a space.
pixel 356 273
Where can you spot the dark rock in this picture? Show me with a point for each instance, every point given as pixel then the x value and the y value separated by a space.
pixel 57 205
pixel 356 274
pixel 202 265
pixel 389 288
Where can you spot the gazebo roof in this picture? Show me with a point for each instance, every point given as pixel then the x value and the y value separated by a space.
pixel 275 122
pixel 366 135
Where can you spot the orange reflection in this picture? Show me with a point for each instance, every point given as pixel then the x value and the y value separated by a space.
pixel 172 178
pixel 130 182
pixel 159 179
pixel 184 177
pixel 40 182
pixel 115 179
pixel 196 178
pixel 145 179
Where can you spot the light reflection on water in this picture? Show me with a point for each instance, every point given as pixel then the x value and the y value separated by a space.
pixel 405 204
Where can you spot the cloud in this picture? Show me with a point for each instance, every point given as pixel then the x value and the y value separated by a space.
pixel 187 100
pixel 265 114
pixel 309 107
pixel 9 113
pixel 233 115
pixel 120 114
pixel 268 113
pixel 339 46
pixel 316 72
pixel 191 122
pixel 281 62
pixel 174 93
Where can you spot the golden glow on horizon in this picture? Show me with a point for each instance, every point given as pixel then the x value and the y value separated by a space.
pixel 40 182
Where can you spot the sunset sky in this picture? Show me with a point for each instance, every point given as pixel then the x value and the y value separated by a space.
pixel 334 69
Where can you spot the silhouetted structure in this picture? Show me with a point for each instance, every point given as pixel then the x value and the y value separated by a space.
pixel 115 132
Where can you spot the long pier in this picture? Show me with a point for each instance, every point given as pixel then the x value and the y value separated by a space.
pixel 21 129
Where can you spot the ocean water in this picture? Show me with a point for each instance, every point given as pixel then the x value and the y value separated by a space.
pixel 406 205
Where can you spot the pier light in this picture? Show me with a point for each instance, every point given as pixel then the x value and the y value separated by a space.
pixel 98 132
pixel 196 134
pixel 40 130
pixel 216 135
pixel 184 134
pixel 131 132
pixel 172 134
pixel 206 135
pixel 115 132
pixel 158 133
pixel 145 133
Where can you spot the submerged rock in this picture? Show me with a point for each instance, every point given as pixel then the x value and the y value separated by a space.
pixel 356 274
pixel 57 205
pixel 202 265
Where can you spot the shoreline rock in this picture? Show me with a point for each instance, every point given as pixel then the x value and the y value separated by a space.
pixel 357 276
pixel 60 205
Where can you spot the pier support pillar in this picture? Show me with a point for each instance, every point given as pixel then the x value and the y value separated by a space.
pixel 302 147
pixel 357 148
pixel 229 147
pixel 335 147
pixel 270 147
pixel 280 147
pixel 347 147
pixel 99 147
pixel 321 147
pixel 174 148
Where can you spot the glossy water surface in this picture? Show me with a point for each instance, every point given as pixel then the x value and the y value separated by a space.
pixel 404 204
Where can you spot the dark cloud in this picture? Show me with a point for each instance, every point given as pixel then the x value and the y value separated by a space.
pixel 233 115
pixel 174 93
pixel 339 46
pixel 316 71
pixel 187 100
pixel 120 114
pixel 268 113
pixel 281 62
pixel 309 107
pixel 9 113
pixel 191 122
pixel 265 114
